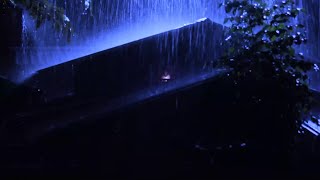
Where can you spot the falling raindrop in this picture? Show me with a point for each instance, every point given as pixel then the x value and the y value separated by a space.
pixel 113 23
pixel 316 67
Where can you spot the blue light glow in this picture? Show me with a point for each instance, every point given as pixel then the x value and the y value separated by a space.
pixel 114 23
pixel 312 127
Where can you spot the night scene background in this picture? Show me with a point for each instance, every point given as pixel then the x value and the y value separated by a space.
pixel 160 89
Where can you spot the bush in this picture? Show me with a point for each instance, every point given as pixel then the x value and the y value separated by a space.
pixel 261 46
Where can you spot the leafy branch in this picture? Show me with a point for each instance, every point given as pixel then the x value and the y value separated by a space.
pixel 261 45
pixel 41 11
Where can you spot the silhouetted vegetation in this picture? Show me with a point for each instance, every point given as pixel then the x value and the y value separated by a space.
pixel 262 43
pixel 41 11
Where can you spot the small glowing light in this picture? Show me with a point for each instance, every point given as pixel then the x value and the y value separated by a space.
pixel 166 77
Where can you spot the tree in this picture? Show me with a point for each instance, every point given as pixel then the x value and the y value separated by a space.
pixel 262 43
pixel 41 11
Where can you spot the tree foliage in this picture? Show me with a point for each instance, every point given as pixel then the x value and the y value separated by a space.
pixel 262 43
pixel 41 11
